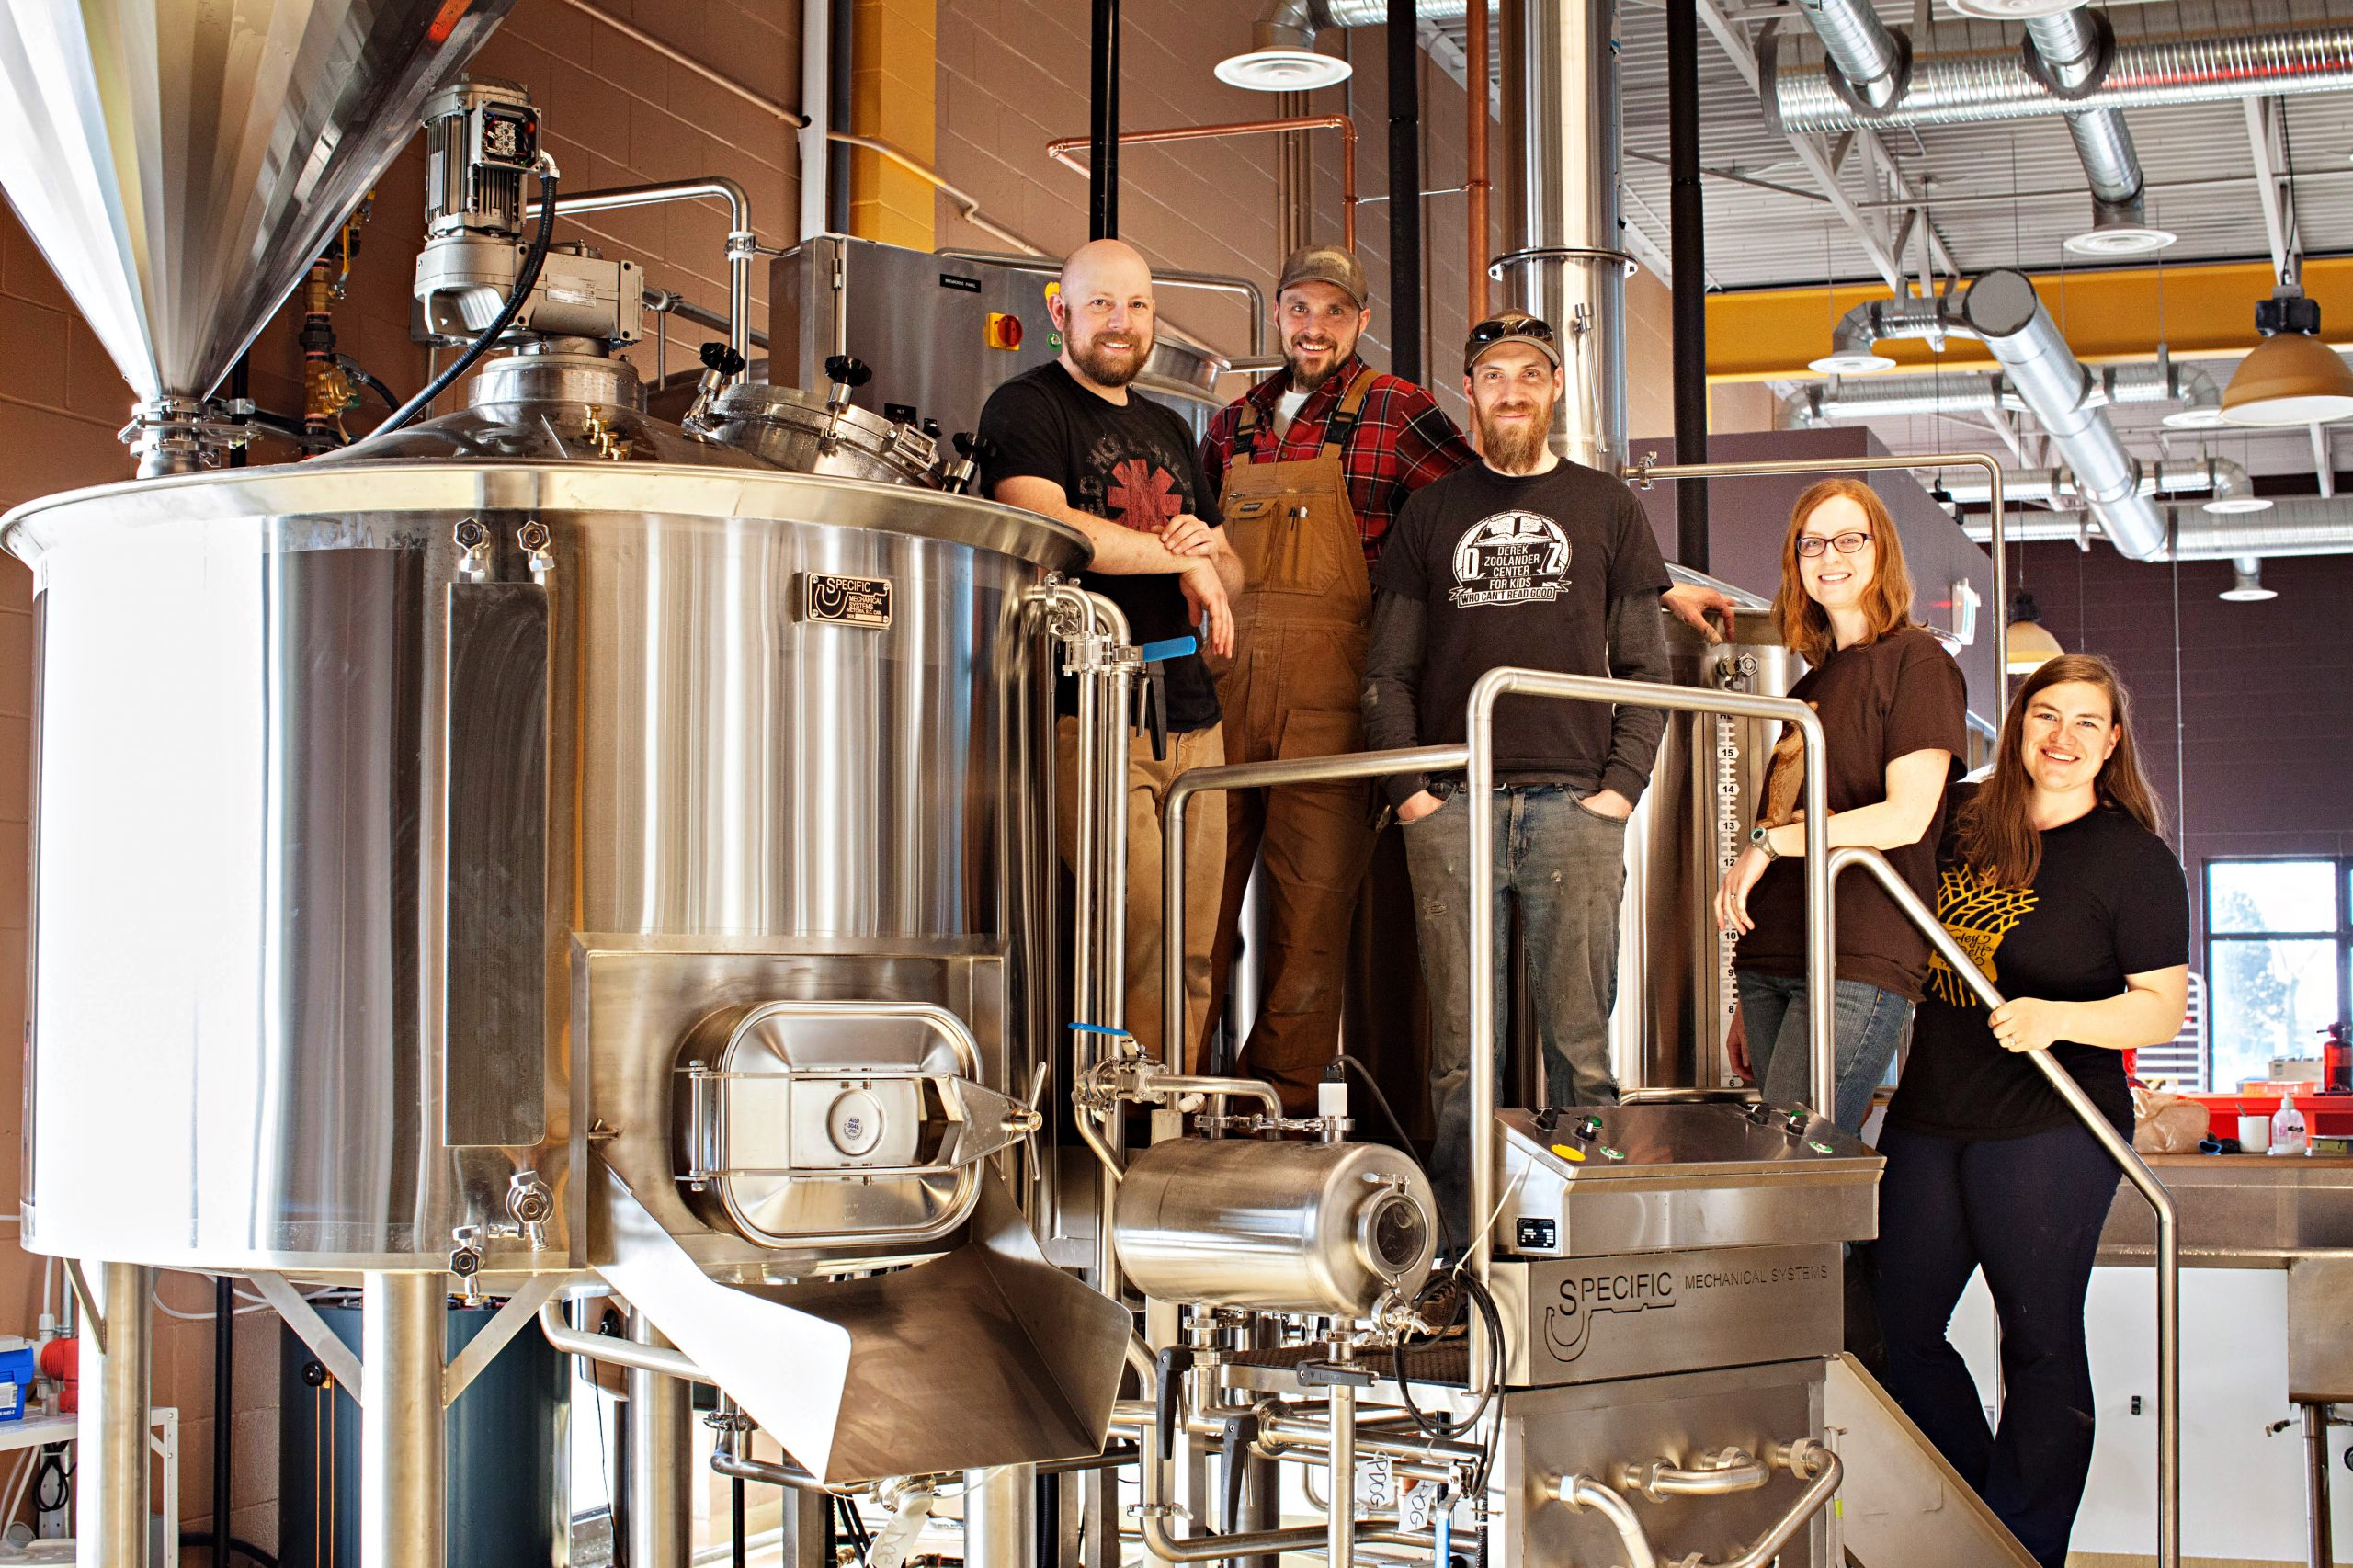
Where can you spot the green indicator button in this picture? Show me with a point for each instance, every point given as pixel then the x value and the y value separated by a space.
pixel 1818 1146
pixel 1610 1153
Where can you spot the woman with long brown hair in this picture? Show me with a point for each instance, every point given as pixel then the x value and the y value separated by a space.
pixel 1894 715
pixel 2056 880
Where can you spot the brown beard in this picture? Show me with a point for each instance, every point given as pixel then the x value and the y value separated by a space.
pixel 1514 448
pixel 1106 370
pixel 1300 380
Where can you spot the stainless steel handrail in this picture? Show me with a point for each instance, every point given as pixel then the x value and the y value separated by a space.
pixel 2136 1171
pixel 1641 473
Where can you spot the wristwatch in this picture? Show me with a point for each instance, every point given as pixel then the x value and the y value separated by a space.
pixel 1762 836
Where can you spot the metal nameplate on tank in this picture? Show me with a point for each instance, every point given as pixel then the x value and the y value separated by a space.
pixel 1641 1314
pixel 846 601
pixel 1665 1176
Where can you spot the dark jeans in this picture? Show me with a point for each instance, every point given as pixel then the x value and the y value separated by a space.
pixel 2026 1211
pixel 1869 1025
pixel 1566 865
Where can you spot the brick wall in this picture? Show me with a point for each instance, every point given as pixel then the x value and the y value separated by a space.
pixel 2256 756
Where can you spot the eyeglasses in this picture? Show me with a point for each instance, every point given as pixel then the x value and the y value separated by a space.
pixel 1494 329
pixel 1848 544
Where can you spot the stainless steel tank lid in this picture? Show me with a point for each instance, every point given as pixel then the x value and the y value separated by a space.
pixel 554 377
pixel 396 488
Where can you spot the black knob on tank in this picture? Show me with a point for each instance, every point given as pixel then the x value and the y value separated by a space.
pixel 717 356
pixel 847 370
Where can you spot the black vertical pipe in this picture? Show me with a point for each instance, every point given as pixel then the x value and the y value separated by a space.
pixel 224 1302
pixel 736 1510
pixel 1404 192
pixel 1687 241
pixel 1103 124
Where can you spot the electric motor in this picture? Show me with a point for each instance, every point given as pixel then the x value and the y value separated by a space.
pixel 1327 1228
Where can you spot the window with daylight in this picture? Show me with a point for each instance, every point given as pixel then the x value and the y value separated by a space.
pixel 2276 945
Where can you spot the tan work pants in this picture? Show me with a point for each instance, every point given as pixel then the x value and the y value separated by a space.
pixel 1148 782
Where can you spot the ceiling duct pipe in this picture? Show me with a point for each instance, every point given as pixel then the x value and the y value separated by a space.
pixel 1892 397
pixel 2003 309
pixel 1804 93
pixel 1868 63
pixel 2296 525
pixel 1281 57
pixel 2070 51
pixel 1103 123
pixel 2224 482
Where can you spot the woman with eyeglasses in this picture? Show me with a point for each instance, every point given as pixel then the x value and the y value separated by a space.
pixel 2057 883
pixel 1893 708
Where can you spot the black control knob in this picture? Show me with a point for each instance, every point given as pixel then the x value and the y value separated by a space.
pixel 1588 1128
pixel 845 370
pixel 717 356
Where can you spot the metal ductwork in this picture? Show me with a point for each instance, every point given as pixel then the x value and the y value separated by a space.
pixel 2002 309
pixel 2296 525
pixel 2071 49
pixel 1803 91
pixel 1293 24
pixel 2224 483
pixel 1870 63
pixel 1888 397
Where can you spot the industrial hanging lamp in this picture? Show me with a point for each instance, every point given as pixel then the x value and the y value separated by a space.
pixel 2031 647
pixel 1281 57
pixel 2292 378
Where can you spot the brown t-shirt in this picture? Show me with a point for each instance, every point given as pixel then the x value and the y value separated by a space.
pixel 1877 702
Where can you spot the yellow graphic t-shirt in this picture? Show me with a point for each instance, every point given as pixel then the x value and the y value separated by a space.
pixel 1977 914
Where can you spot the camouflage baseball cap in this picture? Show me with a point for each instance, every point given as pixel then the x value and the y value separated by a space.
pixel 1324 263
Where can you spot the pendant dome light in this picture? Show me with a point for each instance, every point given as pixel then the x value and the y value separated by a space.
pixel 2031 646
pixel 2292 378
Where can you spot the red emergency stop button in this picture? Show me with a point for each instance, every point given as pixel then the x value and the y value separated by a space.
pixel 1004 331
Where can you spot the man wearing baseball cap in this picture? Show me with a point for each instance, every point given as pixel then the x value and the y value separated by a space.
pixel 1309 469
pixel 1531 560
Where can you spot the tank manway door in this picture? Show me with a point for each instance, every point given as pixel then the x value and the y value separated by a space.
pixel 823 1123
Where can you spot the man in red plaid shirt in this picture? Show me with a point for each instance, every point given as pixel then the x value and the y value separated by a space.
pixel 1308 471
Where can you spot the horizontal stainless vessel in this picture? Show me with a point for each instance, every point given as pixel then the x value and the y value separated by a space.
pixel 399 819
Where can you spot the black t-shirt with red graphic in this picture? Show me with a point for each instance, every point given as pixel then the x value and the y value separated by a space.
pixel 1133 463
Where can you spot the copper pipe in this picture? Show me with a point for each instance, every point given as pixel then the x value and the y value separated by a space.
pixel 1059 150
pixel 1474 184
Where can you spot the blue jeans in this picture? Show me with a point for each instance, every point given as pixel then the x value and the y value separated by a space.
pixel 2029 1211
pixel 1870 1024
pixel 1566 865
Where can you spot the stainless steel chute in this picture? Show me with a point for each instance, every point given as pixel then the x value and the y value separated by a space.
pixel 181 162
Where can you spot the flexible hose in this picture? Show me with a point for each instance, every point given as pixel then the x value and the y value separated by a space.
pixel 524 280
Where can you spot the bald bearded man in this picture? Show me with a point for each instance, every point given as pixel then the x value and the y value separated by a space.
pixel 1072 441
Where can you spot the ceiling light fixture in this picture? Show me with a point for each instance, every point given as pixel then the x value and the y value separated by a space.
pixel 2292 378
pixel 2247 583
pixel 1282 71
pixel 2106 237
pixel 2009 10
pixel 1851 361
pixel 2031 647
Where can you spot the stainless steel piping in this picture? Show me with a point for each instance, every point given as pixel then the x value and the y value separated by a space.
pixel 2220 477
pixel 2120 1149
pixel 2295 525
pixel 1802 97
pixel 743 244
pixel 1871 61
pixel 661 1422
pixel 2070 48
pixel 1255 776
pixel 2001 309
pixel 403 1329
pixel 1583 1494
pixel 1340 1518
pixel 617 1352
pixel 110 1493
pixel 1893 396
pixel 1001 1517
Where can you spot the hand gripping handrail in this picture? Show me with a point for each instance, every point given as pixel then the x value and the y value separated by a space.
pixel 2136 1171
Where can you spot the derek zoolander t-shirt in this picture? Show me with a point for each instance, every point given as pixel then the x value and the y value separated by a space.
pixel 1132 463
pixel 1554 571
pixel 2109 900
pixel 1877 702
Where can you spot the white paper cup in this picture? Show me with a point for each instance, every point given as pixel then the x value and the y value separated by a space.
pixel 2254 1134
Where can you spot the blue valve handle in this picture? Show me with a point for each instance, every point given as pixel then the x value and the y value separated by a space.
pixel 1168 648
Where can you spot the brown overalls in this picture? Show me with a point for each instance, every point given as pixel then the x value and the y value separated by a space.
pixel 1292 690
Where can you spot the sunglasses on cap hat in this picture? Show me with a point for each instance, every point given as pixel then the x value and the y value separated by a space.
pixel 1497 330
